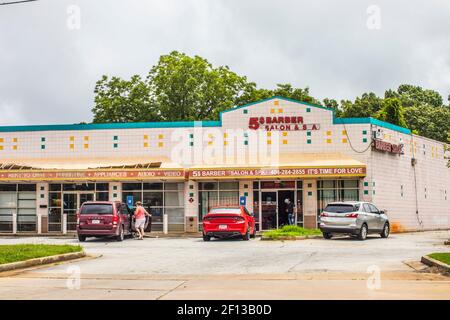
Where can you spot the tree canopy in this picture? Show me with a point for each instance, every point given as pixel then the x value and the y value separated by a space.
pixel 180 87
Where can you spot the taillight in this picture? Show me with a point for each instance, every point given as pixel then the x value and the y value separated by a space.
pixel 78 219
pixel 323 214
pixel 115 219
pixel 351 215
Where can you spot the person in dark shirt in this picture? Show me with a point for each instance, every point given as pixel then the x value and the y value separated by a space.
pixel 290 211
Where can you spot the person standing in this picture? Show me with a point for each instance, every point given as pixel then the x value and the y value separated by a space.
pixel 290 211
pixel 140 214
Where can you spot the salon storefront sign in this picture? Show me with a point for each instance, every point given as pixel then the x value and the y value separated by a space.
pixel 286 123
pixel 277 172
pixel 384 146
pixel 87 175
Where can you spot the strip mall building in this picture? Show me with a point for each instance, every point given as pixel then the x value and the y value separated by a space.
pixel 256 155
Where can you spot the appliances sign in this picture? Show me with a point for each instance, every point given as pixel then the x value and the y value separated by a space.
pixel 286 123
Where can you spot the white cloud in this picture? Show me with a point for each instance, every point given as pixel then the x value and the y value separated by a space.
pixel 48 72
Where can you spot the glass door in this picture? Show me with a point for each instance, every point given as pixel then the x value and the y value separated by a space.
pixel 70 209
pixel 71 203
pixel 269 210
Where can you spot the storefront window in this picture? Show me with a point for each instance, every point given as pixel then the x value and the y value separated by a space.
pixel 159 198
pixel 335 190
pixel 67 198
pixel 212 194
pixel 18 199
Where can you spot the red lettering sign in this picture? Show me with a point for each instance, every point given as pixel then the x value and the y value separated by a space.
pixel 280 124
pixel 388 147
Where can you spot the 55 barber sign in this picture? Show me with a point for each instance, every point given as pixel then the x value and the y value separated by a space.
pixel 285 123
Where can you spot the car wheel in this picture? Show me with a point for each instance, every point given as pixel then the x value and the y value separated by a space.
pixel 81 238
pixel 327 235
pixel 121 235
pixel 246 236
pixel 206 238
pixel 386 231
pixel 254 232
pixel 363 232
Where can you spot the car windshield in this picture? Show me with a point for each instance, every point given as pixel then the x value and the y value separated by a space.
pixel 96 209
pixel 225 211
pixel 340 208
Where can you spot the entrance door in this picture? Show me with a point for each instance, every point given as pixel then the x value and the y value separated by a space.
pixel 70 207
pixel 269 210
pixel 71 203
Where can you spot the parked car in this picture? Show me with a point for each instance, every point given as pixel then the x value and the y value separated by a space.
pixel 223 222
pixel 353 218
pixel 105 219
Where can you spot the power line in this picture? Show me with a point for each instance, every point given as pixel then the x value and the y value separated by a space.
pixel 16 2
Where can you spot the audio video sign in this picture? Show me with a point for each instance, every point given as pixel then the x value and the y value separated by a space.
pixel 286 123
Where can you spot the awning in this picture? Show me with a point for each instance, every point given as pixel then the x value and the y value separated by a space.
pixel 293 165
pixel 90 169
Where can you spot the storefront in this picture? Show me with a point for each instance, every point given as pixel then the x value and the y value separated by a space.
pixel 256 155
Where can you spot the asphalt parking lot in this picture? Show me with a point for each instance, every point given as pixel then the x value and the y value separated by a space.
pixel 170 263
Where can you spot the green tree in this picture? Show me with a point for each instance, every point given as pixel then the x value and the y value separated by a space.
pixel 365 106
pixel 392 112
pixel 118 100
pixel 190 88
pixel 410 96
pixel 286 90
pixel 332 104
pixel 428 121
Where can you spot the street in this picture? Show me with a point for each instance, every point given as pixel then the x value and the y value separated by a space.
pixel 188 268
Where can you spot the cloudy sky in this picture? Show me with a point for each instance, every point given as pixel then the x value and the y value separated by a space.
pixel 51 57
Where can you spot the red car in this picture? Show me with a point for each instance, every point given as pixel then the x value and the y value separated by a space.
pixel 105 219
pixel 222 222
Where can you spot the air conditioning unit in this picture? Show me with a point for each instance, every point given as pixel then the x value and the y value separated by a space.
pixel 377 133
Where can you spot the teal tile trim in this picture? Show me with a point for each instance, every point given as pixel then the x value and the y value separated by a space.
pixel 109 126
pixel 372 121
pixel 191 124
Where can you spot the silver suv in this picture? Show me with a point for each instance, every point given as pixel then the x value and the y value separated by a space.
pixel 353 218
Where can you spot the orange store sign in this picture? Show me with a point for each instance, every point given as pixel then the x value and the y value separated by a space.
pixel 285 172
pixel 92 175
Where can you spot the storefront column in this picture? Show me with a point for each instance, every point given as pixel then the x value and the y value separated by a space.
pixel 310 204
pixel 115 191
pixel 191 206
pixel 42 207
pixel 246 190
pixel 14 222
pixel 64 222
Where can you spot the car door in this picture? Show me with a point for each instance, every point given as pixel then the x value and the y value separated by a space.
pixel 125 217
pixel 377 217
pixel 250 219
pixel 370 217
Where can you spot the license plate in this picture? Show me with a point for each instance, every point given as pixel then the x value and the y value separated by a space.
pixel 223 227
pixel 95 221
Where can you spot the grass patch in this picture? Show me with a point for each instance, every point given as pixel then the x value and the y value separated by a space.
pixel 291 231
pixel 442 257
pixel 21 252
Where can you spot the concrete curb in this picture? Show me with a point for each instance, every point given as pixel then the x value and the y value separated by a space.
pixel 41 261
pixel 435 263
pixel 291 238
